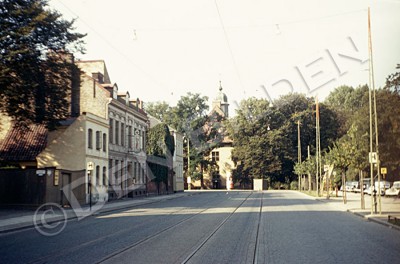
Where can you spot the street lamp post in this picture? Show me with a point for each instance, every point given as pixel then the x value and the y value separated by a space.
pixel 189 180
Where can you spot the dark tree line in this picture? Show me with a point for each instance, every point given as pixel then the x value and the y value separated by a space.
pixel 34 66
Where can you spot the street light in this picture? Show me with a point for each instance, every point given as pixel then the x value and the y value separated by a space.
pixel 189 180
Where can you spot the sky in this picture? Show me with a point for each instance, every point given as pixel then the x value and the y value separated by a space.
pixel 160 50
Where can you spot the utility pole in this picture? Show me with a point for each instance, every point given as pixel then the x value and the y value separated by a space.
pixel 318 143
pixel 299 150
pixel 374 113
pixel 309 175
pixel 362 189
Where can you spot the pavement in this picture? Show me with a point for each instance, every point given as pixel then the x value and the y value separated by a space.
pixel 390 206
pixel 12 219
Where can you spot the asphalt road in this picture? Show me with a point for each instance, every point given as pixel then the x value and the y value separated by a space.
pixel 213 227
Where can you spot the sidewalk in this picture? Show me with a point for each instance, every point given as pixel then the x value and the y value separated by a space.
pixel 17 219
pixel 390 206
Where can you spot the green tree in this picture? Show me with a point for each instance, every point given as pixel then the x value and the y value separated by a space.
pixel 205 132
pixel 345 101
pixel 393 81
pixel 257 138
pixel 160 110
pixel 160 143
pixel 266 137
pixel 33 63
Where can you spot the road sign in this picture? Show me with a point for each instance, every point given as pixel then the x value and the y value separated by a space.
pixel 383 170
pixel 40 172
pixel 373 157
pixel 90 166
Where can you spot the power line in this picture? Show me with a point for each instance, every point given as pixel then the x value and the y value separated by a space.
pixel 126 57
pixel 298 21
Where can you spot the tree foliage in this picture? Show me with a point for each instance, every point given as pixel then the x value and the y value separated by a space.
pixel 204 132
pixel 160 142
pixel 393 81
pixel 345 101
pixel 184 116
pixel 266 137
pixel 34 66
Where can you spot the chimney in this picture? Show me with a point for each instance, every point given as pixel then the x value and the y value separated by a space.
pixel 98 77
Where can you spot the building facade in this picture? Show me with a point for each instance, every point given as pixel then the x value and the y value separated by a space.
pixel 221 177
pixel 127 126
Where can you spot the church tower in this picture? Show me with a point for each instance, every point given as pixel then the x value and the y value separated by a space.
pixel 220 103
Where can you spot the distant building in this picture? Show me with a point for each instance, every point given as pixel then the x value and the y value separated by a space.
pixel 221 178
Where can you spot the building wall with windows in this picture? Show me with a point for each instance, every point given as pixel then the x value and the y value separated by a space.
pixel 126 136
pixel 82 139
pixel 223 158
pixel 127 141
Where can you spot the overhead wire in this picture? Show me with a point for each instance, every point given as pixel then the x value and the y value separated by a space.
pixel 126 57
pixel 282 23
pixel 229 47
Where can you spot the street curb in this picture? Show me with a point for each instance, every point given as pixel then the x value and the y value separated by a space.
pixel 387 224
pixel 29 225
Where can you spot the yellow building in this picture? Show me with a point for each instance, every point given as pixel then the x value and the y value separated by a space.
pixel 221 178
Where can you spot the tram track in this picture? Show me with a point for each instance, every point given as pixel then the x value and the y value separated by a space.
pixel 218 228
pixel 203 242
pixel 70 250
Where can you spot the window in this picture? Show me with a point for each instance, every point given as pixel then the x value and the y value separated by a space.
pixel 104 142
pixel 104 176
pixel 130 137
pixel 110 171
pixel 116 132
pixel 90 138
pixel 129 170
pixel 97 175
pixel 134 169
pixel 111 131
pixel 215 156
pixel 121 175
pixel 116 171
pixel 122 134
pixel 98 140
pixel 143 139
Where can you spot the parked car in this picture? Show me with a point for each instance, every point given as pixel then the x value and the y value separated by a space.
pixel 350 186
pixel 384 186
pixel 394 190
